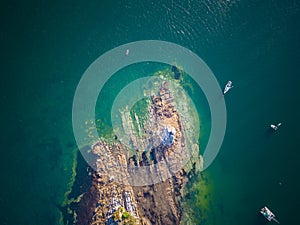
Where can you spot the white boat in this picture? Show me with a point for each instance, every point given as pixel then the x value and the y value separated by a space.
pixel 275 127
pixel 268 214
pixel 227 87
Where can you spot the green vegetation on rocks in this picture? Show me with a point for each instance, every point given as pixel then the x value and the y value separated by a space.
pixel 123 217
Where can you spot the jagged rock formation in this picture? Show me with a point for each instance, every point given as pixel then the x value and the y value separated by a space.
pixel 113 195
pixel 164 156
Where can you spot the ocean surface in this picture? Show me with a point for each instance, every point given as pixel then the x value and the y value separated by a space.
pixel 46 46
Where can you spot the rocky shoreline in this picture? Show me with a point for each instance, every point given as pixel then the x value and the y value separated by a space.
pixel 116 196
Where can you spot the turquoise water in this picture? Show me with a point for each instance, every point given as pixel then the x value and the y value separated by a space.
pixel 46 47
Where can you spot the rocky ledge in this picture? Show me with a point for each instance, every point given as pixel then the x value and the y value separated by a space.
pixel 164 155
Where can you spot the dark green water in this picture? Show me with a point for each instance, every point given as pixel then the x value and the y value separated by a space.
pixel 47 46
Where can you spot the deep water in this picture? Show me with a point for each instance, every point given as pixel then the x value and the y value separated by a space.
pixel 47 46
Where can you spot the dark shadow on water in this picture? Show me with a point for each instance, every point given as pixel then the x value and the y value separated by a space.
pixel 260 220
pixel 81 185
pixel 270 132
pixel 221 96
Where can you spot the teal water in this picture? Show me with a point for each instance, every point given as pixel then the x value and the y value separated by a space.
pixel 47 46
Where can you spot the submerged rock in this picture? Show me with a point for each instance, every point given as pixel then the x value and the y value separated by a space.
pixel 177 72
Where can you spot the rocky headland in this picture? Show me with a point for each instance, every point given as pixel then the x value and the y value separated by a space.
pixel 141 179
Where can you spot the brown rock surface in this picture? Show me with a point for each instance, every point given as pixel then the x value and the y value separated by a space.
pixel 157 203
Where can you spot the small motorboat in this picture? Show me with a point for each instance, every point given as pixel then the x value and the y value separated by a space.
pixel 227 87
pixel 275 127
pixel 268 214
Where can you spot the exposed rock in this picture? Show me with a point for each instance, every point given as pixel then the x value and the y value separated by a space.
pixel 162 150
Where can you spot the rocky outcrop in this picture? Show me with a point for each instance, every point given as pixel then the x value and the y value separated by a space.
pixel 163 155
pixel 139 177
